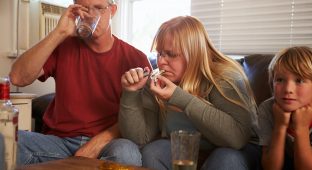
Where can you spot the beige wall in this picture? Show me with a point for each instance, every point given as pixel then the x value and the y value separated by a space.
pixel 6 34
pixel 28 35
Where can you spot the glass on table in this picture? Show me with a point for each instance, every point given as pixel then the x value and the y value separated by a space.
pixel 184 149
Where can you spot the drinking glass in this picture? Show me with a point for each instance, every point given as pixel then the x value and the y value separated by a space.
pixel 184 149
pixel 87 25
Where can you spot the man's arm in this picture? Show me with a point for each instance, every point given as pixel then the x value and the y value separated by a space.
pixel 28 67
pixel 93 148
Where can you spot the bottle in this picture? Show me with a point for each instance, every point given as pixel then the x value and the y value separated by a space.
pixel 8 124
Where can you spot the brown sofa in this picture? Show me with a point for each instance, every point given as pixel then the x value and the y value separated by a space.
pixel 255 67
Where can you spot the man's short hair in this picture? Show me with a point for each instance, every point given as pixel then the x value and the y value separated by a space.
pixel 109 1
pixel 112 1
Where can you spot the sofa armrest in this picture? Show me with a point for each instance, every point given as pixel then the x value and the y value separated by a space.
pixel 39 105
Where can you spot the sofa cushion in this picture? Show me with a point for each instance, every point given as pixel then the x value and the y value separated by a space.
pixel 39 106
pixel 256 69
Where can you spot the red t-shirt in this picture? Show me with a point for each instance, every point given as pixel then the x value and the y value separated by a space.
pixel 87 86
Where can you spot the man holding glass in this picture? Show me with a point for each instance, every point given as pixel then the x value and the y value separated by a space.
pixel 82 118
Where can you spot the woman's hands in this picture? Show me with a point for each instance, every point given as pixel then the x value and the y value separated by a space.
pixel 134 80
pixel 162 87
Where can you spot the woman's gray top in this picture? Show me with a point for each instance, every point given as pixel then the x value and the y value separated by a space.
pixel 221 123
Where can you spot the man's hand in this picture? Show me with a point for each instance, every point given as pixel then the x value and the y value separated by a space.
pixel 93 148
pixel 66 24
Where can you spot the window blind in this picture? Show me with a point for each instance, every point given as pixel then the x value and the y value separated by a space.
pixel 241 27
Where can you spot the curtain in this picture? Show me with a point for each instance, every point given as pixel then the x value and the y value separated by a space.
pixel 241 27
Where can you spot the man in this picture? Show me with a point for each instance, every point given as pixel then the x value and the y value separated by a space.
pixel 82 118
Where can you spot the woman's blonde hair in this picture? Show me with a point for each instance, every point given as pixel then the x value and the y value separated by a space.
pixel 297 60
pixel 205 64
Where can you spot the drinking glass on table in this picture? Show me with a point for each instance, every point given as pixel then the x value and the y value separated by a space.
pixel 184 149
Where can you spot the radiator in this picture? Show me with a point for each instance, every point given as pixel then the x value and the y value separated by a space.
pixel 49 16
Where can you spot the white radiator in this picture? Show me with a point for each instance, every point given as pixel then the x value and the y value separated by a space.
pixel 50 14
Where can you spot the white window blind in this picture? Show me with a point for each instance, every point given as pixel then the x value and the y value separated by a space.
pixel 240 27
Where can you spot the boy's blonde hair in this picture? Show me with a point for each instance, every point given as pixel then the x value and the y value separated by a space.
pixel 297 60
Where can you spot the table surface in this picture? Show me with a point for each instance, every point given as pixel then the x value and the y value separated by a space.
pixel 79 163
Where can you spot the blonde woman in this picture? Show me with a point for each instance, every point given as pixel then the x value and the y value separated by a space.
pixel 200 89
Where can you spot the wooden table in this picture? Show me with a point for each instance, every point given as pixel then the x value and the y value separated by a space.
pixel 78 163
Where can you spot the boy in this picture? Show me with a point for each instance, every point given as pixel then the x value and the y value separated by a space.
pixel 285 119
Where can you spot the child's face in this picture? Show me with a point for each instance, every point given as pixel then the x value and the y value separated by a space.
pixel 291 91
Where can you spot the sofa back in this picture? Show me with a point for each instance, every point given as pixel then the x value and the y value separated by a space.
pixel 256 69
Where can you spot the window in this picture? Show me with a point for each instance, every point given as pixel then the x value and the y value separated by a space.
pixel 63 3
pixel 249 27
pixel 142 18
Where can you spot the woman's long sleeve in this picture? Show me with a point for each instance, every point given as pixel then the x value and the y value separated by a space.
pixel 222 123
pixel 138 116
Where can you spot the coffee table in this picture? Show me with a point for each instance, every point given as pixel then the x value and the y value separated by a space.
pixel 79 163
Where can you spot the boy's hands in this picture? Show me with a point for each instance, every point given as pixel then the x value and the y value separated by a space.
pixel 281 118
pixel 296 120
pixel 301 118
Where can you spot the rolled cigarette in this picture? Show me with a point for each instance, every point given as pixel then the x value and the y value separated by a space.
pixel 145 73
pixel 154 73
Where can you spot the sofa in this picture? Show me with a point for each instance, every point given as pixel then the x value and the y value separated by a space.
pixel 255 67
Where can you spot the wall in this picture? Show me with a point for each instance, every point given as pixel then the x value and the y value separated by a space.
pixel 38 88
pixel 28 35
pixel 6 34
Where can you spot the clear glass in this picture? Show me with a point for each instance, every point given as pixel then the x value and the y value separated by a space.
pixel 87 25
pixel 184 149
